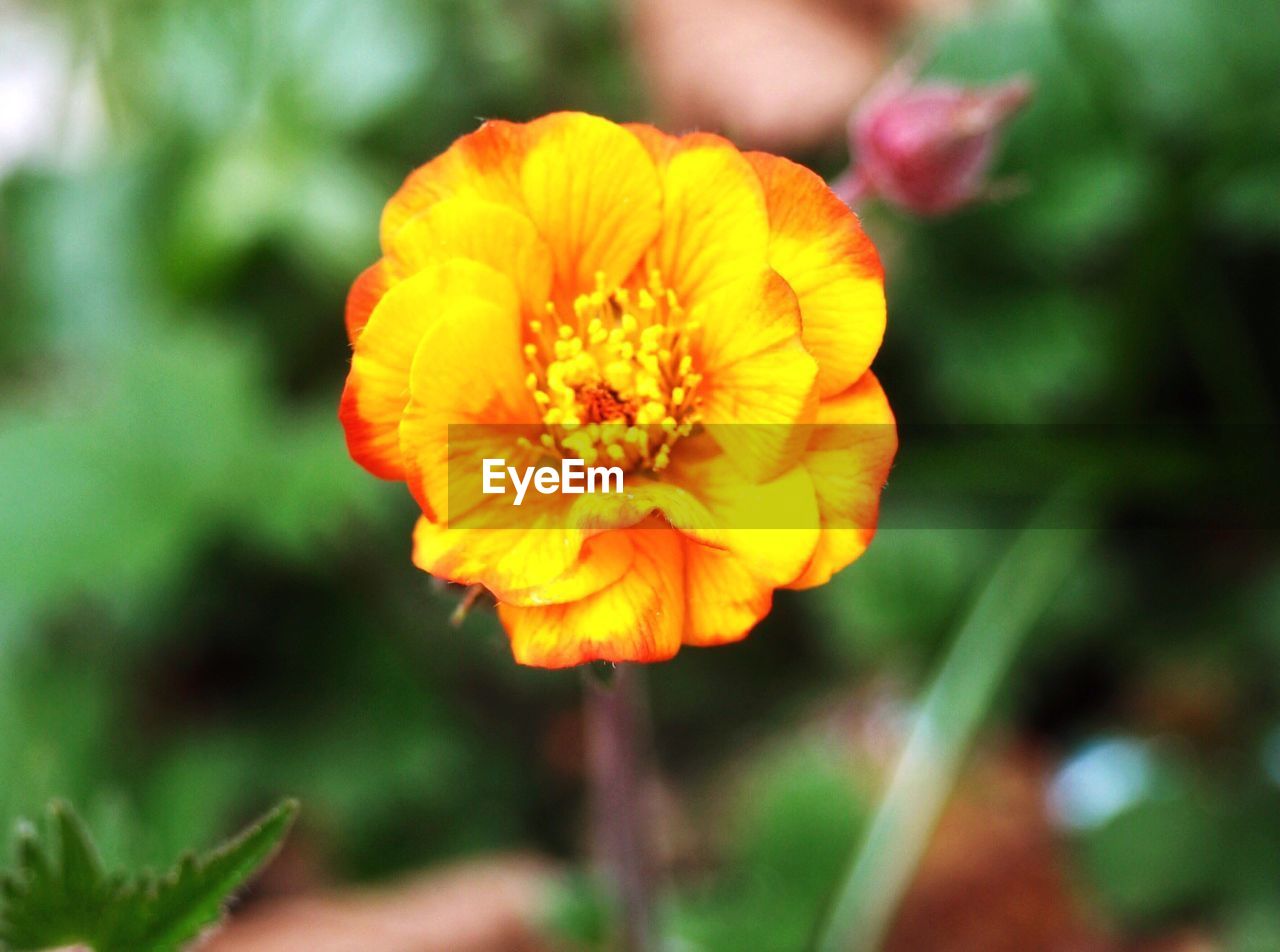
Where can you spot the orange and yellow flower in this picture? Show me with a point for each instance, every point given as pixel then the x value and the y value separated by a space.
pixel 701 317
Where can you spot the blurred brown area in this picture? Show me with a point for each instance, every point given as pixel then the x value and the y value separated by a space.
pixel 993 878
pixel 1196 698
pixel 772 74
pixel 475 906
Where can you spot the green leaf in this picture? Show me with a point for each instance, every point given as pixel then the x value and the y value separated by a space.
pixel 192 897
pixel 1018 592
pixel 60 895
pixel 81 867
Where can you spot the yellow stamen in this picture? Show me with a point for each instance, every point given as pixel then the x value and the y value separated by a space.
pixel 617 378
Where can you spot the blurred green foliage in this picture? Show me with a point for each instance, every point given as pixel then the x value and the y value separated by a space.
pixel 797 818
pixel 204 603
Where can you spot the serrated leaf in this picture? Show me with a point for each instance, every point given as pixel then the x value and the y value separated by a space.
pixel 59 894
pixel 81 867
pixel 193 896
pixel 55 896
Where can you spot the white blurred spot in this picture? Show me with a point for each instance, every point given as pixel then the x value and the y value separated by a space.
pixel 50 108
pixel 1101 781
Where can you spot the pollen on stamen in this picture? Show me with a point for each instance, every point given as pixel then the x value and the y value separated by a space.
pixel 618 378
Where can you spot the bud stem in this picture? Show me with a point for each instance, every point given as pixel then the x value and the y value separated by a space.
pixel 851 187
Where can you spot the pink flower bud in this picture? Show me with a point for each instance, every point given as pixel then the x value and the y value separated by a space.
pixel 928 147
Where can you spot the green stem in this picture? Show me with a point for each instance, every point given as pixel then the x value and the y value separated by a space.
pixel 1018 592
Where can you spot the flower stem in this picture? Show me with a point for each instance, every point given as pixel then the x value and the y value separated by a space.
pixel 952 710
pixel 851 187
pixel 617 739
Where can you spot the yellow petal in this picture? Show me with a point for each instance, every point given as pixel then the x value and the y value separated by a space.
pixel 848 459
pixel 515 563
pixel 484 164
pixel 366 291
pixel 715 226
pixel 639 617
pixel 723 600
pixel 817 244
pixel 660 145
pixel 601 561
pixel 492 234
pixel 466 374
pixel 642 499
pixel 592 191
pixel 377 389
pixel 758 380
pixel 770 527
pixel 742 539
pixel 465 394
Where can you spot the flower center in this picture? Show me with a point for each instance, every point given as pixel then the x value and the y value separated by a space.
pixel 614 379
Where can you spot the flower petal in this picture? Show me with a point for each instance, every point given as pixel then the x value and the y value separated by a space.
pixel 770 527
pixel 515 563
pixel 723 599
pixel 638 618
pixel 817 244
pixel 602 560
pixel 467 374
pixel 715 226
pixel 758 380
pixel 742 539
pixel 492 234
pixel 593 193
pixel 365 293
pixel 483 164
pixel 377 387
pixel 658 144
pixel 848 459
pixel 464 392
